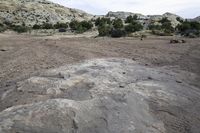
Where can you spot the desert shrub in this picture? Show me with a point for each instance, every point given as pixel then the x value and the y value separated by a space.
pixel 104 30
pixel 102 21
pixel 133 27
pixel 189 28
pixel 164 20
pixel 117 33
pixel 81 27
pixel 73 24
pixel 118 23
pixel 179 19
pixel 2 28
pixel 19 29
pixel 86 24
pixel 167 27
pixel 47 26
pixel 36 26
pixel 61 25
pixel 131 18
pixel 8 23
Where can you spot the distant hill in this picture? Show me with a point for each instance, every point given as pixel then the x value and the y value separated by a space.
pixel 33 12
pixel 30 12
pixel 196 19
pixel 124 15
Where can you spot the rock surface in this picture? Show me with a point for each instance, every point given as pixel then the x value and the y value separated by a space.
pixel 38 12
pixel 103 96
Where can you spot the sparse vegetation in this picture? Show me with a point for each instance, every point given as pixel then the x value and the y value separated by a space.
pixel 36 26
pixel 19 28
pixel 163 29
pixel 2 28
pixel 60 25
pixel 131 19
pixel 190 29
pixel 117 28
pixel 118 24
pixel 73 24
pixel 104 30
pixel 47 26
pixel 117 33
pixel 102 21
pixel 133 27
pixel 81 27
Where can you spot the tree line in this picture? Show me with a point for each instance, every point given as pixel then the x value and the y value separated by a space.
pixel 114 28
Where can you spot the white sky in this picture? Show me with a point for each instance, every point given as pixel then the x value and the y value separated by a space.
pixel 184 8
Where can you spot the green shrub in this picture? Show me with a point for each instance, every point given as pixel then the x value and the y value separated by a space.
pixel 167 27
pixel 102 21
pixel 104 30
pixel 118 23
pixel 179 19
pixel 2 28
pixel 81 27
pixel 86 24
pixel 36 26
pixel 61 25
pixel 164 20
pixel 189 28
pixel 73 24
pixel 117 33
pixel 47 26
pixel 19 29
pixel 133 27
pixel 131 18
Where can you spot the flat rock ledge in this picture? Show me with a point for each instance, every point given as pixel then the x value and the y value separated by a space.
pixel 103 96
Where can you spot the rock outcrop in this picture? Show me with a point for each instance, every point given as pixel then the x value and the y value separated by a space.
pixel 103 96
pixel 32 12
pixel 124 15
pixel 146 19
pixel 196 19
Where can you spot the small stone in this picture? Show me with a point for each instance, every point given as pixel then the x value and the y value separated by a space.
pixel 177 81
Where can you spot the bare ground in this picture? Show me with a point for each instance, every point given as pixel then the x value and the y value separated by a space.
pixel 22 56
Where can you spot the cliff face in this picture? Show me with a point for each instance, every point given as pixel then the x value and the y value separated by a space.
pixel 33 12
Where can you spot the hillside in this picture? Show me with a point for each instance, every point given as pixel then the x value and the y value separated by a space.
pixel 155 18
pixel 37 12
pixel 196 19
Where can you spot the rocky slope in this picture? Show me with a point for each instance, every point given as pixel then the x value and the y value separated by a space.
pixel 196 19
pixel 124 15
pixel 32 12
pixel 37 12
pixel 143 18
pixel 103 96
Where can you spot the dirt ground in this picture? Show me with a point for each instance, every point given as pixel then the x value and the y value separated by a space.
pixel 22 56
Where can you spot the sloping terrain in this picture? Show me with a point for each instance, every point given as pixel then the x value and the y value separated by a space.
pixel 33 12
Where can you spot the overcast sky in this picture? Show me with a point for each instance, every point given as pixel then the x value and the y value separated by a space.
pixel 184 8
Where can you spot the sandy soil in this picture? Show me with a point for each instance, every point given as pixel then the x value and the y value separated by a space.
pixel 22 56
